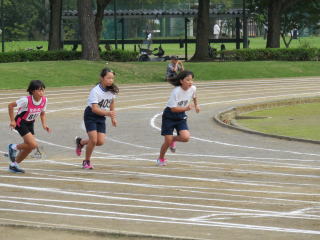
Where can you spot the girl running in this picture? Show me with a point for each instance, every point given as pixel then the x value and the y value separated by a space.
pixel 174 116
pixel 29 108
pixel 100 104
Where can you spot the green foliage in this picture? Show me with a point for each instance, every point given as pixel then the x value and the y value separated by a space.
pixel 282 54
pixel 34 55
pixel 119 56
pixel 27 19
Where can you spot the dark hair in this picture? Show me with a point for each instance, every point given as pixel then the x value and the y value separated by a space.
pixel 113 88
pixel 173 57
pixel 35 85
pixel 175 81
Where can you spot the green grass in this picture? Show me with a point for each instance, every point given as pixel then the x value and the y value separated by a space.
pixel 171 49
pixel 300 121
pixel 76 73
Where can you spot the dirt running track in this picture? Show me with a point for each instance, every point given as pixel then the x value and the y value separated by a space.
pixel 223 184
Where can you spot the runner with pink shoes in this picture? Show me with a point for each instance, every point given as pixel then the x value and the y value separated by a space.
pixel 174 116
pixel 100 104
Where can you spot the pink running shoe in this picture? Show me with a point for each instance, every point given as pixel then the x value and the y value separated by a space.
pixel 173 146
pixel 86 164
pixel 161 162
pixel 79 146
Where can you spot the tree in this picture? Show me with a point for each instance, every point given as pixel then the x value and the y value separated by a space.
pixel 25 20
pixel 278 16
pixel 101 5
pixel 88 34
pixel 55 25
pixel 202 35
pixel 298 17
pixel 275 10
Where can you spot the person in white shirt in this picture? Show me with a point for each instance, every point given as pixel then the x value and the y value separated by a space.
pixel 174 116
pixel 216 31
pixel 100 104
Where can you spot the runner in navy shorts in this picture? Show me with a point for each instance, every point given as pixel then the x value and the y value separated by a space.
pixel 174 116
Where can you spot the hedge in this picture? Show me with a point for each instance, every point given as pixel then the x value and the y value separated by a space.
pixel 40 55
pixel 275 54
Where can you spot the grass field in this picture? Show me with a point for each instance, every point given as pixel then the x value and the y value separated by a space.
pixel 77 73
pixel 172 49
pixel 300 121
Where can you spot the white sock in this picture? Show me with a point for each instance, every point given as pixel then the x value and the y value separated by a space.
pixel 14 164
pixel 14 146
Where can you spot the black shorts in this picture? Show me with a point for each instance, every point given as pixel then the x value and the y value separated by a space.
pixel 25 127
pixel 171 121
pixel 94 122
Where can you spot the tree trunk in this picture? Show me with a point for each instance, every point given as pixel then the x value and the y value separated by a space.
pixel 87 31
pixel 274 17
pixel 202 37
pixel 275 9
pixel 101 5
pixel 55 25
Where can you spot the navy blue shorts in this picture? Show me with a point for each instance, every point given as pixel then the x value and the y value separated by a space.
pixel 94 122
pixel 173 121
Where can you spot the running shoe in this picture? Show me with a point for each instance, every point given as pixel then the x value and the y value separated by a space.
pixel 15 169
pixel 173 146
pixel 161 162
pixel 86 164
pixel 79 146
pixel 12 153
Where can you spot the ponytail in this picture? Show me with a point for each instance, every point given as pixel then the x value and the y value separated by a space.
pixel 175 81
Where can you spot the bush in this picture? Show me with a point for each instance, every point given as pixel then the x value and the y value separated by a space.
pixel 281 54
pixel 39 55
pixel 119 56
pixel 34 55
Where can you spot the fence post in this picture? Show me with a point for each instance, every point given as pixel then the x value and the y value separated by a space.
pixel 186 20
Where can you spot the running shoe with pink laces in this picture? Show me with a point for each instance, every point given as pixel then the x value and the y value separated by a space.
pixel 86 164
pixel 79 146
pixel 161 162
pixel 173 146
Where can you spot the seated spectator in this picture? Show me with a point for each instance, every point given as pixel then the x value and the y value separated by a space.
pixel 174 67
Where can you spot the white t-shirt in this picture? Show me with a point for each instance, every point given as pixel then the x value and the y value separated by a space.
pixel 101 97
pixel 180 97
pixel 216 29
pixel 22 104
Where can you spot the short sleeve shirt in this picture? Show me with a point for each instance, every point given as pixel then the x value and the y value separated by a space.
pixel 180 97
pixel 98 95
pixel 22 104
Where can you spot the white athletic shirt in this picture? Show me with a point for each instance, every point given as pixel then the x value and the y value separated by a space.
pixel 22 104
pixel 180 97
pixel 101 97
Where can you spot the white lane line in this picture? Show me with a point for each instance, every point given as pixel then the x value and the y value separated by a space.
pixel 182 222
pixel 145 201
pixel 289 215
pixel 153 125
pixel 144 206
pixel 53 177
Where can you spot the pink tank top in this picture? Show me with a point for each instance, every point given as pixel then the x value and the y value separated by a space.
pixel 33 110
